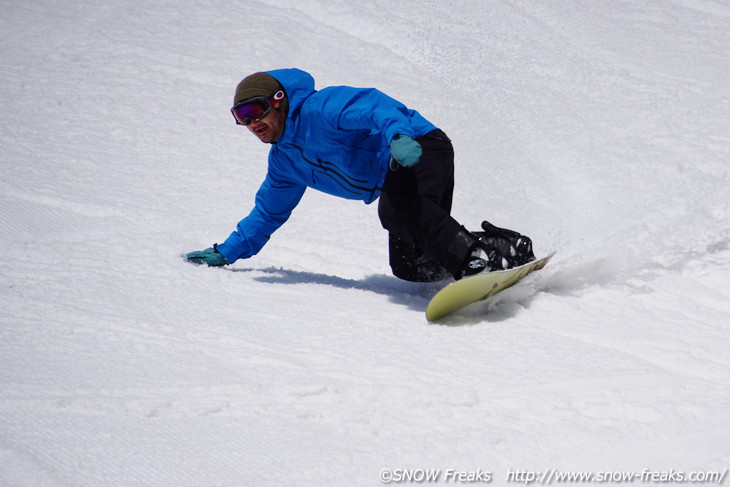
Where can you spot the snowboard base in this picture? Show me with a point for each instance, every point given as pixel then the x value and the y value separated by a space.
pixel 476 288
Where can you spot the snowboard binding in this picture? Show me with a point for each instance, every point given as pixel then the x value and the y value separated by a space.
pixel 513 246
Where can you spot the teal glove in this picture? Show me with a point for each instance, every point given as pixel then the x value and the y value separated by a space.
pixel 209 256
pixel 405 151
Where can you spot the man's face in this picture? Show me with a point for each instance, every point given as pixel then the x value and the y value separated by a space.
pixel 269 128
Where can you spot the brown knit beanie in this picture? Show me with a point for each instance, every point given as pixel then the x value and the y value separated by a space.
pixel 258 84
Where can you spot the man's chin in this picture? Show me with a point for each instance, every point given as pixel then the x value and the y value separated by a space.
pixel 269 137
pixel 266 139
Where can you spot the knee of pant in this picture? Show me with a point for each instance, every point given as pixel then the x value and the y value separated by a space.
pixel 409 263
pixel 421 269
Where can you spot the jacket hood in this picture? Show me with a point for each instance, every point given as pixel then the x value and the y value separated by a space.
pixel 298 85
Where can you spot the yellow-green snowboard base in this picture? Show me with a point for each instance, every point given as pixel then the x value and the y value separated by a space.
pixel 469 290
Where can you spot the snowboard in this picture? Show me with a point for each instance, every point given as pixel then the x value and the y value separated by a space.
pixel 471 289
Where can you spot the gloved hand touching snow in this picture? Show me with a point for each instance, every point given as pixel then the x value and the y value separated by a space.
pixel 405 151
pixel 209 256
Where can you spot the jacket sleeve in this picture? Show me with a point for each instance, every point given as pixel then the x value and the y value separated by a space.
pixel 275 201
pixel 347 108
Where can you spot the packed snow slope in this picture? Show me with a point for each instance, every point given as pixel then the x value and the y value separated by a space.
pixel 600 129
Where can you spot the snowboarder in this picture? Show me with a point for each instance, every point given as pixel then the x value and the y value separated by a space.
pixel 359 143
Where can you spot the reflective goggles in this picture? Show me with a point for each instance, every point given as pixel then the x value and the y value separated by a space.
pixel 254 109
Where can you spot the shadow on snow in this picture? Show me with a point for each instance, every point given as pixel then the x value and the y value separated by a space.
pixel 415 295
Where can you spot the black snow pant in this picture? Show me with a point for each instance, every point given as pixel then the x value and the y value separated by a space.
pixel 415 208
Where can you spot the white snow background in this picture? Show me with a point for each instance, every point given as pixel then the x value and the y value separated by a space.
pixel 601 129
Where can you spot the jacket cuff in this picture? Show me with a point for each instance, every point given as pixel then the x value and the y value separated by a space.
pixel 227 251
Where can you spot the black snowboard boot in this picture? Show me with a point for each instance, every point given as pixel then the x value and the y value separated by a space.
pixel 516 248
pixel 468 256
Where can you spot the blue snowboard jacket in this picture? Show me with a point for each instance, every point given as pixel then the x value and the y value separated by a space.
pixel 335 140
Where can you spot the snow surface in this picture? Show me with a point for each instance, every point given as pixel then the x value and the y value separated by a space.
pixel 600 129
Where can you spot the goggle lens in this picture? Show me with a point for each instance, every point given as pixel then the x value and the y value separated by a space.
pixel 254 109
pixel 250 111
